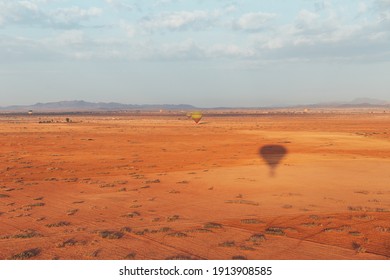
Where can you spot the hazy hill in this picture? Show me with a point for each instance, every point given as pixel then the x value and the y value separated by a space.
pixel 80 105
pixel 83 106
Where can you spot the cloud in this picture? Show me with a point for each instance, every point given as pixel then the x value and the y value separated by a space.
pixel 32 13
pixel 121 5
pixel 129 28
pixel 254 21
pixel 382 4
pixel 179 20
pixel 326 37
pixel 309 35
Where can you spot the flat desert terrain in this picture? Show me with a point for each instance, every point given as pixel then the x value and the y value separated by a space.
pixel 234 186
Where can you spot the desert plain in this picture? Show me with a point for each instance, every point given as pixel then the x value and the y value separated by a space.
pixel 159 186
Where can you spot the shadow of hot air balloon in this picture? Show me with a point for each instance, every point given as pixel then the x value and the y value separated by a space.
pixel 272 155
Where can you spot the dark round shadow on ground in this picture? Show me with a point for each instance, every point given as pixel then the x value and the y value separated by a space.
pixel 273 155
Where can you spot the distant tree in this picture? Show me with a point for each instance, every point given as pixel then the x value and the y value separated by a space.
pixel 67 120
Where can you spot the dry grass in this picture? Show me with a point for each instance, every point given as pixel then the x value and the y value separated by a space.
pixel 126 229
pixel 173 218
pixel 71 212
pixel 275 231
pixel 258 237
pixel 212 225
pixel 383 229
pixel 241 201
pixel 239 257
pixel 59 224
pixel 68 242
pixel 178 234
pixel 39 204
pixel 130 256
pixel 132 214
pixel 251 221
pixel 355 233
pixel 227 244
pixel 27 234
pixel 28 254
pixel 358 247
pixel 111 234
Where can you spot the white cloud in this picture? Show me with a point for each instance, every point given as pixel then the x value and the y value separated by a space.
pixel 129 29
pixel 324 37
pixel 69 38
pixel 119 4
pixel 382 4
pixel 327 34
pixel 32 13
pixel 179 20
pixel 306 19
pixel 254 21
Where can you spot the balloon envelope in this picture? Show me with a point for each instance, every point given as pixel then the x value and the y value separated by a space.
pixel 196 116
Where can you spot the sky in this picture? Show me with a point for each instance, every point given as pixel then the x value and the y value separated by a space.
pixel 205 53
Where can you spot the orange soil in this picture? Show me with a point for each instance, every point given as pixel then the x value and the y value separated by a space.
pixel 161 187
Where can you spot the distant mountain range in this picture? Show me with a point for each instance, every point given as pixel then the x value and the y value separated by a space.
pixel 83 106
pixel 80 105
pixel 356 103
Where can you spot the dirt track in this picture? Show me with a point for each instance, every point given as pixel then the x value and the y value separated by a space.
pixel 161 187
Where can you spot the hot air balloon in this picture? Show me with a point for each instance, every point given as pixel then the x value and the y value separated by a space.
pixel 272 155
pixel 196 116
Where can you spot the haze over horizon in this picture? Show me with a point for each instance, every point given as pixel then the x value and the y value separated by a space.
pixel 204 53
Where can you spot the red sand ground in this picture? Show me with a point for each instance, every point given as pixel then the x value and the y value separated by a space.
pixel 161 187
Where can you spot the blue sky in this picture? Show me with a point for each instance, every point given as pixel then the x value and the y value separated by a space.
pixel 204 53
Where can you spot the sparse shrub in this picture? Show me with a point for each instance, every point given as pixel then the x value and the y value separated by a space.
pixel 110 234
pixel 227 244
pixel 212 225
pixel 36 204
pixel 355 208
pixel 358 247
pixel 275 231
pixel 126 229
pixel 173 218
pixel 178 234
pixel 69 242
pixel 132 214
pixel 247 248
pixel 250 221
pixel 26 254
pixel 152 181
pixel 257 237
pixel 355 233
pixel 27 234
pixel 59 224
pixel 95 253
pixel 130 256
pixel 242 201
pixel 164 229
pixel 239 258
pixel 72 212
